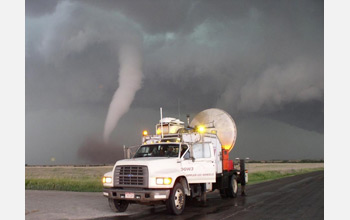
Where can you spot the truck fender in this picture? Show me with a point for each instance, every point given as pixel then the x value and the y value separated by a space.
pixel 184 184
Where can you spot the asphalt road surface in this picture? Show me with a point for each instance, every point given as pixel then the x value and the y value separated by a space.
pixel 297 197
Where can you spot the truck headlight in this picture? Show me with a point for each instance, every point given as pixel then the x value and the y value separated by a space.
pixel 163 180
pixel 107 179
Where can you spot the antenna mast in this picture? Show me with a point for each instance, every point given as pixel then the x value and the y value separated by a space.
pixel 161 121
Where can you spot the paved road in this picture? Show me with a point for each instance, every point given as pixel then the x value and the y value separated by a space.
pixel 297 197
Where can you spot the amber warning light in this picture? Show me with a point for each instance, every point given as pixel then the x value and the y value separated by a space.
pixel 201 129
pixel 145 133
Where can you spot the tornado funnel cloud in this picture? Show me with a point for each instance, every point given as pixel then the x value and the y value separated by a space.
pixel 130 78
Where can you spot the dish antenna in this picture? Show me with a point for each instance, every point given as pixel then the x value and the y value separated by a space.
pixel 219 121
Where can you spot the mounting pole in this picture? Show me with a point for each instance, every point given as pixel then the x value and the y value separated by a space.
pixel 188 120
pixel 161 121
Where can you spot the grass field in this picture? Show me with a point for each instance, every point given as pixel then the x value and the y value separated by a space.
pixel 66 178
pixel 263 176
pixel 88 179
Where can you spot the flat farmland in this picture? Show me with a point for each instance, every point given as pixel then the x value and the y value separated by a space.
pixel 70 172
pixel 93 172
pixel 282 167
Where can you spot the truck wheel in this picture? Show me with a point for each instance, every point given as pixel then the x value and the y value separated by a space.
pixel 176 202
pixel 118 205
pixel 232 191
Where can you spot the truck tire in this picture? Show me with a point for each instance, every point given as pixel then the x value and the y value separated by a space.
pixel 118 205
pixel 232 190
pixel 176 202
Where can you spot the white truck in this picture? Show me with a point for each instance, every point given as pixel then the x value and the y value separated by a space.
pixel 176 162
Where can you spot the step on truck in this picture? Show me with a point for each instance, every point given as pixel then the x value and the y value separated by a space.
pixel 177 162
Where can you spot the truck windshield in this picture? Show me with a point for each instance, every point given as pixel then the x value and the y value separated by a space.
pixel 158 150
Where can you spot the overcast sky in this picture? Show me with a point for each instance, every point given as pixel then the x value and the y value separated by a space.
pixel 261 61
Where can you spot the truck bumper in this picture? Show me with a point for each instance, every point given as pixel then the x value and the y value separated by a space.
pixel 141 195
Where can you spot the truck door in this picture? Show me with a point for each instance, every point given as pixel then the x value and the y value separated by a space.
pixel 201 168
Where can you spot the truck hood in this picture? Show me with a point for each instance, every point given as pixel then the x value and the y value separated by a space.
pixel 147 161
pixel 157 167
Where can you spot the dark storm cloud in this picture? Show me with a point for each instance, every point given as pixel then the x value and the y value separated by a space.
pixel 251 58
pixel 155 16
pixel 256 60
pixel 40 7
pixel 68 44
pixel 241 46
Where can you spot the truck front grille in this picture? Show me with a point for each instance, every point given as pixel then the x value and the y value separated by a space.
pixel 134 176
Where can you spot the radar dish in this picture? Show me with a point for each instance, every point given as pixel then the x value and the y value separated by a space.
pixel 220 121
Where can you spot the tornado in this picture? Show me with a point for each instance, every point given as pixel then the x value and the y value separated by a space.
pixel 130 78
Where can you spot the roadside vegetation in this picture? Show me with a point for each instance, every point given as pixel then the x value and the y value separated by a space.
pixel 63 184
pixel 89 179
pixel 264 176
pixel 285 161
pixel 66 178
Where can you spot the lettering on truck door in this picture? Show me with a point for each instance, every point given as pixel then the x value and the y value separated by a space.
pixel 202 168
pixel 187 166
